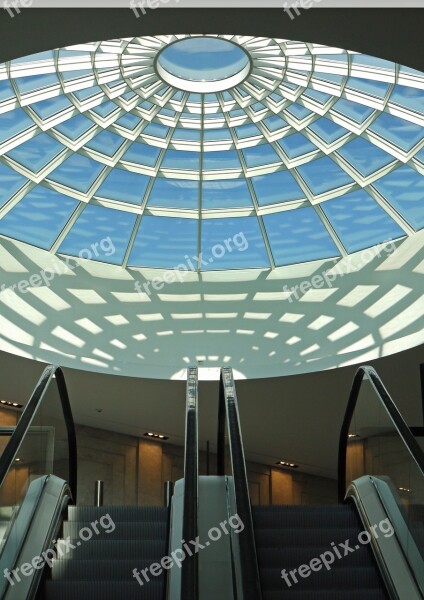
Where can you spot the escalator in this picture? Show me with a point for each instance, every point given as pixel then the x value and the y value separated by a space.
pixel 280 552
pixel 368 547
pixel 102 568
pixel 51 548
pixel 308 533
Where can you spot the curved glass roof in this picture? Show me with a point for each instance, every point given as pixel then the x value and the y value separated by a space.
pixel 171 146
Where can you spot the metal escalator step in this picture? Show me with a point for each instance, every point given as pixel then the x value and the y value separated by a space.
pixel 304 516
pixel 100 569
pixel 293 556
pixel 128 530
pixel 318 594
pixel 118 513
pixel 117 549
pixel 340 578
pixel 102 590
pixel 283 538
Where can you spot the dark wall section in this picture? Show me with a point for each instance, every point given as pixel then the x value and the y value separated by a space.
pixel 394 34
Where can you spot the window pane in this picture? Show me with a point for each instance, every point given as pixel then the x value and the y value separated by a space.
pixel 175 193
pixel 399 132
pixel 165 243
pixel 365 157
pixel 360 222
pixel 11 182
pixel 298 236
pixel 260 155
pixel 323 175
pixel 36 153
pixel 404 189
pixel 276 187
pixel 77 172
pixel 101 232
pixel 124 186
pixel 233 243
pixel 226 193
pixel 39 217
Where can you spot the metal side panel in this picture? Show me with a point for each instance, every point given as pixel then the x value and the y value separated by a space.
pixel 215 563
pixel 394 566
pixel 37 524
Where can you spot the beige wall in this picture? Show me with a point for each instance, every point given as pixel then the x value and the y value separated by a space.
pixel 134 471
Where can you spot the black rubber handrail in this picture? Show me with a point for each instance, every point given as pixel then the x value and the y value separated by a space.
pixel 402 428
pixel 228 410
pixel 189 574
pixel 8 456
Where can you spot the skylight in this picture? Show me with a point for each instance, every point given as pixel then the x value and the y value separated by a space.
pixel 172 145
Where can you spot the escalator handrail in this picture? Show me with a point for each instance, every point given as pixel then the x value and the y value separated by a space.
pixel 189 574
pixel 402 428
pixel 24 423
pixel 228 410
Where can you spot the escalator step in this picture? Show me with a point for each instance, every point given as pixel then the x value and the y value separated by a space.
pixel 128 530
pixel 283 538
pixel 102 590
pixel 293 556
pixel 341 578
pixel 117 549
pixel 323 594
pixel 305 517
pixel 118 513
pixel 100 569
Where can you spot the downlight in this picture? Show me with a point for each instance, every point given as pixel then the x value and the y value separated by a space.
pixel 286 464
pixel 10 404
pixel 156 436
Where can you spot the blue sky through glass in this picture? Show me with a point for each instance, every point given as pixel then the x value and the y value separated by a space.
pixel 200 59
pixel 305 156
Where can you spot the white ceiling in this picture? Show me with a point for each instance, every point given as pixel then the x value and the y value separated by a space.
pixel 92 318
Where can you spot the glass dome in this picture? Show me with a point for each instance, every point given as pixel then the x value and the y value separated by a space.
pixel 172 145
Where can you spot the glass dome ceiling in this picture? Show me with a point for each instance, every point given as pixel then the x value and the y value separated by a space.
pixel 170 145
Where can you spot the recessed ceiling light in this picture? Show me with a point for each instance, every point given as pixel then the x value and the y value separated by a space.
pixel 18 460
pixel 352 436
pixel 156 436
pixel 11 404
pixel 287 464
pixel 407 490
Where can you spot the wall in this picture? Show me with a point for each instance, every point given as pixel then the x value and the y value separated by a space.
pixel 134 471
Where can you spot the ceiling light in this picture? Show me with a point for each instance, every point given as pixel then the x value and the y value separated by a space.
pixel 156 436
pixel 287 464
pixel 407 490
pixel 352 436
pixel 11 404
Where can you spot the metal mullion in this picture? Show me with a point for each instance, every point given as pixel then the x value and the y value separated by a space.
pixel 253 196
pixel 146 198
pixel 131 241
pixel 390 210
pixel 200 189
pixel 66 229
pixel 331 231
